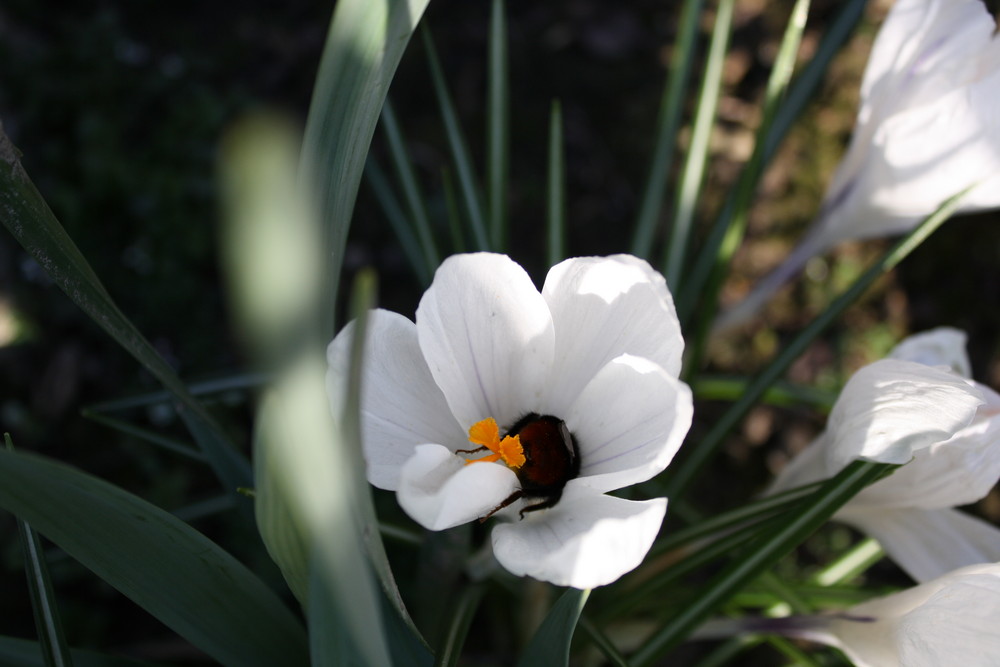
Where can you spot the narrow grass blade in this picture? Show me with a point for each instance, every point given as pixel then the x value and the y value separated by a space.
pixel 461 619
pixel 454 216
pixel 467 181
pixel 239 381
pixel 746 188
pixel 48 623
pixel 363 47
pixel 667 124
pixel 603 644
pixel 28 218
pixel 681 474
pixel 387 201
pixel 122 426
pixel 550 645
pixel 24 653
pixel 760 556
pixel 718 388
pixel 166 567
pixel 697 156
pixel 799 93
pixel 556 218
pixel 411 190
pixel 497 127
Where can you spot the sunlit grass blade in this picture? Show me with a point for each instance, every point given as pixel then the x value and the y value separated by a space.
pixel 667 124
pixel 497 127
pixel 549 647
pixel 799 93
pixel 122 426
pixel 761 555
pixel 458 628
pixel 808 80
pixel 693 173
pixel 419 218
pixel 163 565
pixel 851 564
pixel 556 210
pixel 28 218
pixel 48 623
pixel 746 188
pixel 681 474
pixel 363 47
pixel 467 181
pixel 24 653
pixel 390 206
pixel 314 507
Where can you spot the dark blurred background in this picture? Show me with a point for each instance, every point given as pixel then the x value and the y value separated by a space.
pixel 119 108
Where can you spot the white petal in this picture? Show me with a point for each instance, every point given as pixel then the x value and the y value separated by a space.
pixel 401 406
pixel 926 129
pixel 628 423
pixel 890 409
pixel 957 626
pixel 928 543
pixel 586 540
pixel 603 307
pixel 944 346
pixel 439 491
pixel 486 334
pixel 958 471
pixel 951 620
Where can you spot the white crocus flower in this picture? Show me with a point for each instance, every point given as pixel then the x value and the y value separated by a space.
pixel 927 129
pixel 531 406
pixel 955 457
pixel 951 620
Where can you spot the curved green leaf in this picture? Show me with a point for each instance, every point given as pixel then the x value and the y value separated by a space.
pixel 363 47
pixel 166 567
pixel 550 645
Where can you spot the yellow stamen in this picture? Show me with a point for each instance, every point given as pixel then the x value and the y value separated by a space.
pixel 486 434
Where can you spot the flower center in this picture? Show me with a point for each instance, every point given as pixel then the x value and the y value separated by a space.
pixel 538 448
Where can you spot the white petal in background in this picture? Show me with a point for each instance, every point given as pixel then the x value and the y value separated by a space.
pixel 952 620
pixel 401 406
pixel 438 490
pixel 486 334
pixel 927 543
pixel 586 540
pixel 927 126
pixel 891 408
pixel 629 422
pixel 927 129
pixel 943 346
pixel 603 307
pixel 958 471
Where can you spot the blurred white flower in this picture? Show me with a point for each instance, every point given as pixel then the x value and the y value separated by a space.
pixel 564 395
pixel 927 129
pixel 951 620
pixel 915 406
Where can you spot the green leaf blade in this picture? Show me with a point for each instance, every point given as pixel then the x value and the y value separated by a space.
pixel 549 647
pixel 165 566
